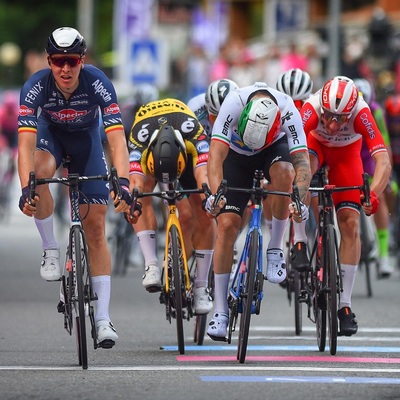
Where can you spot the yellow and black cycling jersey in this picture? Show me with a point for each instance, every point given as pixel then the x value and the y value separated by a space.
pixel 172 112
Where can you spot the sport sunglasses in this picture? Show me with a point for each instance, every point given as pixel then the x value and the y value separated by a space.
pixel 60 61
pixel 339 118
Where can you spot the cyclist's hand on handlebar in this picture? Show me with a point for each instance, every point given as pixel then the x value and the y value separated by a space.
pixel 212 208
pixel 124 200
pixel 373 205
pixel 28 208
pixel 134 212
pixel 299 216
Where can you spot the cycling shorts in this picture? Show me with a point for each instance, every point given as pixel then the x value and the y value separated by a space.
pixel 345 168
pixel 85 155
pixel 239 169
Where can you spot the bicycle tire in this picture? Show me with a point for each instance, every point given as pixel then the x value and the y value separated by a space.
pixel 331 267
pixel 319 313
pixel 247 296
pixel 200 329
pixel 175 254
pixel 78 254
pixel 298 307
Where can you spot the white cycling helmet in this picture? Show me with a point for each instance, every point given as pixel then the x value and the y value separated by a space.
pixel 365 88
pixel 339 96
pixel 216 93
pixel 259 123
pixel 66 40
pixel 145 93
pixel 296 83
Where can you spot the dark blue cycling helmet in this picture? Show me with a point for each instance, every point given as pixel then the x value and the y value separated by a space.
pixel 66 40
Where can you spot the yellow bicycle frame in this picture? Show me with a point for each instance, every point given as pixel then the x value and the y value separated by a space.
pixel 173 220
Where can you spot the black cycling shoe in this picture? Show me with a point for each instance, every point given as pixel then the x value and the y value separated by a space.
pixel 299 257
pixel 348 322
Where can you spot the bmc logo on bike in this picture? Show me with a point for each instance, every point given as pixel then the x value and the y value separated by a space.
pixel 24 111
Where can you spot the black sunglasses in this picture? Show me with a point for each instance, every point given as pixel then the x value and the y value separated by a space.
pixel 60 61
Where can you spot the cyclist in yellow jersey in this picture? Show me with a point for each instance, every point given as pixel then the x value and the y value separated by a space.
pixel 201 234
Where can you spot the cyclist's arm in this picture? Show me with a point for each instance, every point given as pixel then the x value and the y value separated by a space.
pixel 26 151
pixel 382 172
pixel 301 165
pixel 119 151
pixel 216 156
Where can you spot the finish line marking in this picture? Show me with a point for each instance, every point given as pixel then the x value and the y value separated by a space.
pixel 220 368
pixel 356 349
pixel 330 359
pixel 300 379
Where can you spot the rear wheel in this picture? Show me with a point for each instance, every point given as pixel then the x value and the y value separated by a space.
pixel 298 309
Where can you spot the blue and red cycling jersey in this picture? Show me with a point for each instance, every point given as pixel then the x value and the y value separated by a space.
pixel 41 99
pixel 70 129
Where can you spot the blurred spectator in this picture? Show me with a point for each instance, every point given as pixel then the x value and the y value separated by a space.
pixel 8 118
pixel 242 66
pixel 294 59
pixel 220 67
pixel 271 66
pixel 197 70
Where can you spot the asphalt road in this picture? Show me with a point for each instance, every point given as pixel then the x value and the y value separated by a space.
pixel 38 358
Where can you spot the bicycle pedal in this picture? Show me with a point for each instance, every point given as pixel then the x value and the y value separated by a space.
pixel 61 307
pixel 153 289
pixel 106 344
pixel 217 338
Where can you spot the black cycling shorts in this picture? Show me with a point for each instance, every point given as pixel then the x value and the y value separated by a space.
pixel 238 170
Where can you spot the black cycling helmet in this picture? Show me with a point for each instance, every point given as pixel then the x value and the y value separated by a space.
pixel 166 155
pixel 66 40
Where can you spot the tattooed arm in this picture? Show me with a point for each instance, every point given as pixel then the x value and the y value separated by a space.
pixel 301 164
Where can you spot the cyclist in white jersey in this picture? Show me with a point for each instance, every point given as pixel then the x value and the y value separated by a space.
pixel 257 127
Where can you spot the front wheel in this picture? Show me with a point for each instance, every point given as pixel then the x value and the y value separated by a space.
pixel 174 257
pixel 248 296
pixel 332 283
pixel 79 262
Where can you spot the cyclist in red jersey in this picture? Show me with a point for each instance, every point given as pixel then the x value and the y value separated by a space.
pixel 59 119
pixel 336 120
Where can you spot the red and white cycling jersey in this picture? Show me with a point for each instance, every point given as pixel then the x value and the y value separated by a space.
pixel 360 125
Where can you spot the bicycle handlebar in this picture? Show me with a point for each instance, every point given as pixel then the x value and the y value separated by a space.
pixel 169 195
pixel 365 188
pixel 68 180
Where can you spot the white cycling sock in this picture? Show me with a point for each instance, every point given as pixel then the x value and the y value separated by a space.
pixel 278 232
pixel 203 261
pixel 46 231
pixel 221 282
pixel 268 223
pixel 102 287
pixel 348 278
pixel 148 246
pixel 300 234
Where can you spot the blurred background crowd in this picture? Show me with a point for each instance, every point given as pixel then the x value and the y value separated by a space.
pixel 175 48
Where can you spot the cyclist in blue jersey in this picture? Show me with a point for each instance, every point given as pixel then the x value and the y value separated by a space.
pixel 59 120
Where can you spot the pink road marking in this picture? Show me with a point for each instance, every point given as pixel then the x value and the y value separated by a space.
pixel 332 359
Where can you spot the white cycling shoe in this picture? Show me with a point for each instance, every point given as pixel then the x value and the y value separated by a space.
pixel 218 327
pixel 106 334
pixel 152 278
pixel 202 301
pixel 276 266
pixel 50 269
